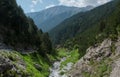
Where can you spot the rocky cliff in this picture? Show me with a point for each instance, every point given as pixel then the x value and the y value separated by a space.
pixel 101 60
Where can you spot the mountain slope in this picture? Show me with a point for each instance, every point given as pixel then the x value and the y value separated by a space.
pixel 99 61
pixel 44 19
pixel 99 47
pixel 80 22
pixel 82 34
pixel 17 31
pixel 25 51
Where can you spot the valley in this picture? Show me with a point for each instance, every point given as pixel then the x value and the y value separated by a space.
pixel 60 41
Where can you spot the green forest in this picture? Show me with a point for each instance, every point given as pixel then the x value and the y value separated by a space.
pixel 89 28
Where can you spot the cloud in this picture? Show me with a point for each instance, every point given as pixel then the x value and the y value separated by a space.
pixel 32 10
pixel 34 3
pixel 82 3
pixel 49 6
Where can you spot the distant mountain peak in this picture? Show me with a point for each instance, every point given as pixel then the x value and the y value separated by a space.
pixel 51 17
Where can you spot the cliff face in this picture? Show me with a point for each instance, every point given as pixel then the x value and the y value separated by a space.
pixel 101 60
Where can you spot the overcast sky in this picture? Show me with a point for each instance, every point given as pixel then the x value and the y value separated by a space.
pixel 37 5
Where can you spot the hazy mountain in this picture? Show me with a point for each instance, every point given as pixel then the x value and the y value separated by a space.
pixel 49 18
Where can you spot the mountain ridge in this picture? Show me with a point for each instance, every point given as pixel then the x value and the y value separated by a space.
pixel 44 18
pixel 80 22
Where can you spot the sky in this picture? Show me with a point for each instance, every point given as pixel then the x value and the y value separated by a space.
pixel 38 5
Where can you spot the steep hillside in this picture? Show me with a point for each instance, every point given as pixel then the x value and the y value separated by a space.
pixel 44 19
pixel 18 31
pixel 100 61
pixel 85 29
pixel 14 64
pixel 80 22
pixel 25 51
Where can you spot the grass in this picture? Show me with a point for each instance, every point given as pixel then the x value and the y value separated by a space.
pixel 62 52
pixel 31 60
pixel 15 59
pixel 86 74
pixel 101 69
pixel 73 57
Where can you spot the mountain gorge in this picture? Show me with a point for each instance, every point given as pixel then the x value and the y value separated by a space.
pixel 81 42
pixel 44 19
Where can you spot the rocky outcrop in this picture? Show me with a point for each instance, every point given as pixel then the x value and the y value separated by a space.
pixel 38 67
pixel 99 61
pixel 116 65
pixel 12 65
pixel 116 69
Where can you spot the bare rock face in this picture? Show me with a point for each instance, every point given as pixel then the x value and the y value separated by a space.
pixel 99 60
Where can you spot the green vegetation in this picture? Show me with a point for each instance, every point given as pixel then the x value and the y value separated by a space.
pixel 34 64
pixel 113 48
pixel 88 29
pixel 62 52
pixel 43 67
pixel 19 32
pixel 80 22
pixel 71 56
pixel 75 35
pixel 86 74
pixel 100 69
pixel 12 64
pixel 103 69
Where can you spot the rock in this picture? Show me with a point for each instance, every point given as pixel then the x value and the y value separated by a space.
pixel 38 67
pixel 116 69
pixel 11 64
pixel 5 65
pixel 94 55
pixel 117 45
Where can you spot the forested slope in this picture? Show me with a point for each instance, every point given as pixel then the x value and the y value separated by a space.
pixel 25 51
pixel 90 28
pixel 19 32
